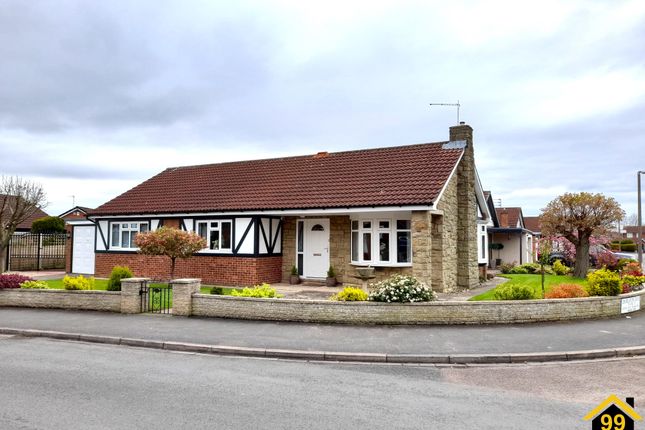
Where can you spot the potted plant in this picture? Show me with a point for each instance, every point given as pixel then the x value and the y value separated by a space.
pixel 498 260
pixel 331 277
pixel 294 278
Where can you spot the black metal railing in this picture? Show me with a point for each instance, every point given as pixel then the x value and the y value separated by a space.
pixel 42 251
pixel 156 299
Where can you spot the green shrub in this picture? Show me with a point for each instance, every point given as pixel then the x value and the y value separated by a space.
pixel 78 283
pixel 48 224
pixel 350 294
pixel 628 247
pixel 260 291
pixel 513 292
pixel 118 273
pixel 34 284
pixel 604 282
pixel 519 270
pixel 531 267
pixel 294 271
pixel 217 291
pixel 560 269
pixel 629 280
pixel 506 267
pixel 400 288
pixel 627 242
pixel 331 273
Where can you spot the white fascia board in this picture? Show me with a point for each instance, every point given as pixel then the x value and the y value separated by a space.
pixel 481 201
pixel 452 174
pixel 80 222
pixel 291 212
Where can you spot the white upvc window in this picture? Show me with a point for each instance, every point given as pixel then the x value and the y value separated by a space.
pixel 122 234
pixel 217 234
pixel 381 242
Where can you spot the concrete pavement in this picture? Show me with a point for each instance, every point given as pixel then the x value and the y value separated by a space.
pixel 442 344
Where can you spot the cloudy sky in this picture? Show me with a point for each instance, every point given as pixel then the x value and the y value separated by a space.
pixel 96 96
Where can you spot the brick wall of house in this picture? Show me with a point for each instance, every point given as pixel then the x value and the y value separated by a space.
pixel 212 270
pixel 68 249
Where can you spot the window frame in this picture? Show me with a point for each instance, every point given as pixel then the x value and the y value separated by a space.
pixel 119 236
pixel 375 226
pixel 210 229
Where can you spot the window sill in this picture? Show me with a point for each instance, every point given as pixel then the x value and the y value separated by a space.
pixel 356 264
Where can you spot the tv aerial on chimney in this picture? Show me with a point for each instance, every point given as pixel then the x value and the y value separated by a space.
pixel 458 105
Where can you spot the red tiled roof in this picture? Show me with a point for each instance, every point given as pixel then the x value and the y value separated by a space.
pixel 533 223
pixel 512 214
pixel 26 224
pixel 403 175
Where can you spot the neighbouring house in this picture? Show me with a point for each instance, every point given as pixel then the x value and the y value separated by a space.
pixel 74 214
pixel 24 226
pixel 533 224
pixel 631 232
pixel 414 209
pixel 510 231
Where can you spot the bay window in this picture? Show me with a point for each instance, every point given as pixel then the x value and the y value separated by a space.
pixel 217 234
pixel 381 242
pixel 122 234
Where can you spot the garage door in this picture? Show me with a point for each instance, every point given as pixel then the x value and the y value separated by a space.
pixel 83 250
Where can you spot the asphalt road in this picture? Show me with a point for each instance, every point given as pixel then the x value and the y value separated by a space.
pixel 482 339
pixel 48 384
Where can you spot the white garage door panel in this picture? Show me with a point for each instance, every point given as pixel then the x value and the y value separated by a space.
pixel 83 250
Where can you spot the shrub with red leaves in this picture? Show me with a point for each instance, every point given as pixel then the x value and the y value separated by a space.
pixel 566 291
pixel 13 281
pixel 632 269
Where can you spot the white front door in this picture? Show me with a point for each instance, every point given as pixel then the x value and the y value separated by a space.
pixel 83 250
pixel 316 248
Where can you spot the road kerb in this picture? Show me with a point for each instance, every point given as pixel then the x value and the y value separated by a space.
pixel 536 357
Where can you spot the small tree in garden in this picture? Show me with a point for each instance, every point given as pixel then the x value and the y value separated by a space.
pixel 577 217
pixel 544 249
pixel 19 199
pixel 171 242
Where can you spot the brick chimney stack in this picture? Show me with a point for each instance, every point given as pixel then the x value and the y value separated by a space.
pixel 462 132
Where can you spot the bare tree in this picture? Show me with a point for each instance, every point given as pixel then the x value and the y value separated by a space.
pixel 631 220
pixel 19 199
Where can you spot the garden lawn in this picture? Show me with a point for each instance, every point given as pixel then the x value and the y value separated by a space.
pixel 101 284
pixel 532 281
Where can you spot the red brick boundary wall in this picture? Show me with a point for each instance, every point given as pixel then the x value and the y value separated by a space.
pixel 210 269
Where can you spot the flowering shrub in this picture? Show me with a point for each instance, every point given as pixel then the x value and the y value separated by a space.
pixel 13 281
pixel 400 288
pixel 350 294
pixel 632 283
pixel 34 284
pixel 566 291
pixel 631 269
pixel 560 269
pixel 513 292
pixel 608 260
pixel 604 282
pixel 78 283
pixel 260 291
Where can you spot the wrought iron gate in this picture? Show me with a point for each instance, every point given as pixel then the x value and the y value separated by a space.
pixel 42 251
pixel 156 299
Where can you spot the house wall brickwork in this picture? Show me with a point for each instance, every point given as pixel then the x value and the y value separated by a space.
pixel 213 270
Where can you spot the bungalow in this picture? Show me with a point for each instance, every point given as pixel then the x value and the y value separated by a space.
pixel 10 204
pixel 75 213
pixel 412 209
pixel 510 231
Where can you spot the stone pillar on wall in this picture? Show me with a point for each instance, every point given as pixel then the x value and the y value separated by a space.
pixel 130 294
pixel 422 248
pixel 182 295
pixel 437 253
pixel 288 246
